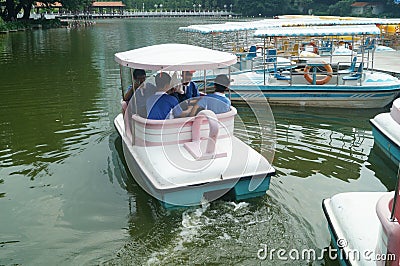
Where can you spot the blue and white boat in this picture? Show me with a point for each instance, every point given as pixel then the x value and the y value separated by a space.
pixel 315 83
pixel 386 131
pixel 185 161
pixel 327 79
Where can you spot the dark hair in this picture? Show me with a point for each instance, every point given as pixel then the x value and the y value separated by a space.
pixel 186 72
pixel 138 73
pixel 162 79
pixel 221 83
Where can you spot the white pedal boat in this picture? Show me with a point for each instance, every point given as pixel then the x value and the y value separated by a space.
pixel 386 131
pixel 184 161
pixel 364 228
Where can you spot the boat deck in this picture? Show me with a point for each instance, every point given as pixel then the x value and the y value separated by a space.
pixel 172 166
pixel 353 220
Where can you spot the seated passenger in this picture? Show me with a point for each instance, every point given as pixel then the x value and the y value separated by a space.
pixel 141 95
pixel 139 76
pixel 216 102
pixel 189 88
pixel 141 91
pixel 161 105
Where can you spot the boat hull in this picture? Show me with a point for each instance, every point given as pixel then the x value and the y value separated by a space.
pixel 241 185
pixel 318 97
pixel 373 90
pixel 386 134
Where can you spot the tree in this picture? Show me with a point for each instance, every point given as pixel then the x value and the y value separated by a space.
pixel 341 8
pixel 75 5
pixel 13 7
pixel 9 11
pixel 265 8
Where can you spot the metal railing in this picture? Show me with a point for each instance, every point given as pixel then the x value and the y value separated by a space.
pixel 260 64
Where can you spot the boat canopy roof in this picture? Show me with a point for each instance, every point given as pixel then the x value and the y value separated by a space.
pixel 224 27
pixel 318 31
pixel 286 21
pixel 175 57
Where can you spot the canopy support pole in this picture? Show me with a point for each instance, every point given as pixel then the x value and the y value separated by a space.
pixel 133 90
pixel 205 81
pixel 264 65
pixel 229 88
pixel 122 85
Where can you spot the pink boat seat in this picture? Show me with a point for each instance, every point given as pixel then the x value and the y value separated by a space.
pixel 388 242
pixel 205 149
pixel 148 132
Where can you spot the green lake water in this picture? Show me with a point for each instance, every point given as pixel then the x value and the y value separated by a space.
pixel 67 197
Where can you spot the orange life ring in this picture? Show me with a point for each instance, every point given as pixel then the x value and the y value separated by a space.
pixel 328 77
pixel 315 48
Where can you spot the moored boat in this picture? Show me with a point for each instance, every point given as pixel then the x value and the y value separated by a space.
pixel 316 73
pixel 321 80
pixel 386 131
pixel 364 227
pixel 184 161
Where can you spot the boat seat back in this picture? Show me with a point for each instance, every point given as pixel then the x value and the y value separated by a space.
pixel 371 46
pixel 389 232
pixel 356 75
pixel 395 111
pixel 252 52
pixel 148 132
pixel 352 67
pixel 271 55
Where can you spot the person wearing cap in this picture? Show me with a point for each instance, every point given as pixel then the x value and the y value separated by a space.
pixel 161 105
pixel 189 88
pixel 216 102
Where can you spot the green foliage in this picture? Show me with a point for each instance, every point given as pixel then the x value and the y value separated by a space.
pixel 75 5
pixel 50 23
pixel 3 25
pixel 13 25
pixel 341 8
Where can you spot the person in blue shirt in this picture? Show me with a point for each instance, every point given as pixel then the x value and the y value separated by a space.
pixel 189 88
pixel 216 102
pixel 161 105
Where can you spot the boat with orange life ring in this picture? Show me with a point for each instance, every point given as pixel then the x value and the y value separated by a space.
pixel 326 79
pixel 284 86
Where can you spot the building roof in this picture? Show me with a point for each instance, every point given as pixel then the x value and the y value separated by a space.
pixel 108 4
pixel 40 4
pixel 95 4
pixel 363 4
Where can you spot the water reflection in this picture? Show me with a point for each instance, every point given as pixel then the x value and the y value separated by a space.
pixel 49 94
pixel 384 169
pixel 145 212
pixel 330 143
